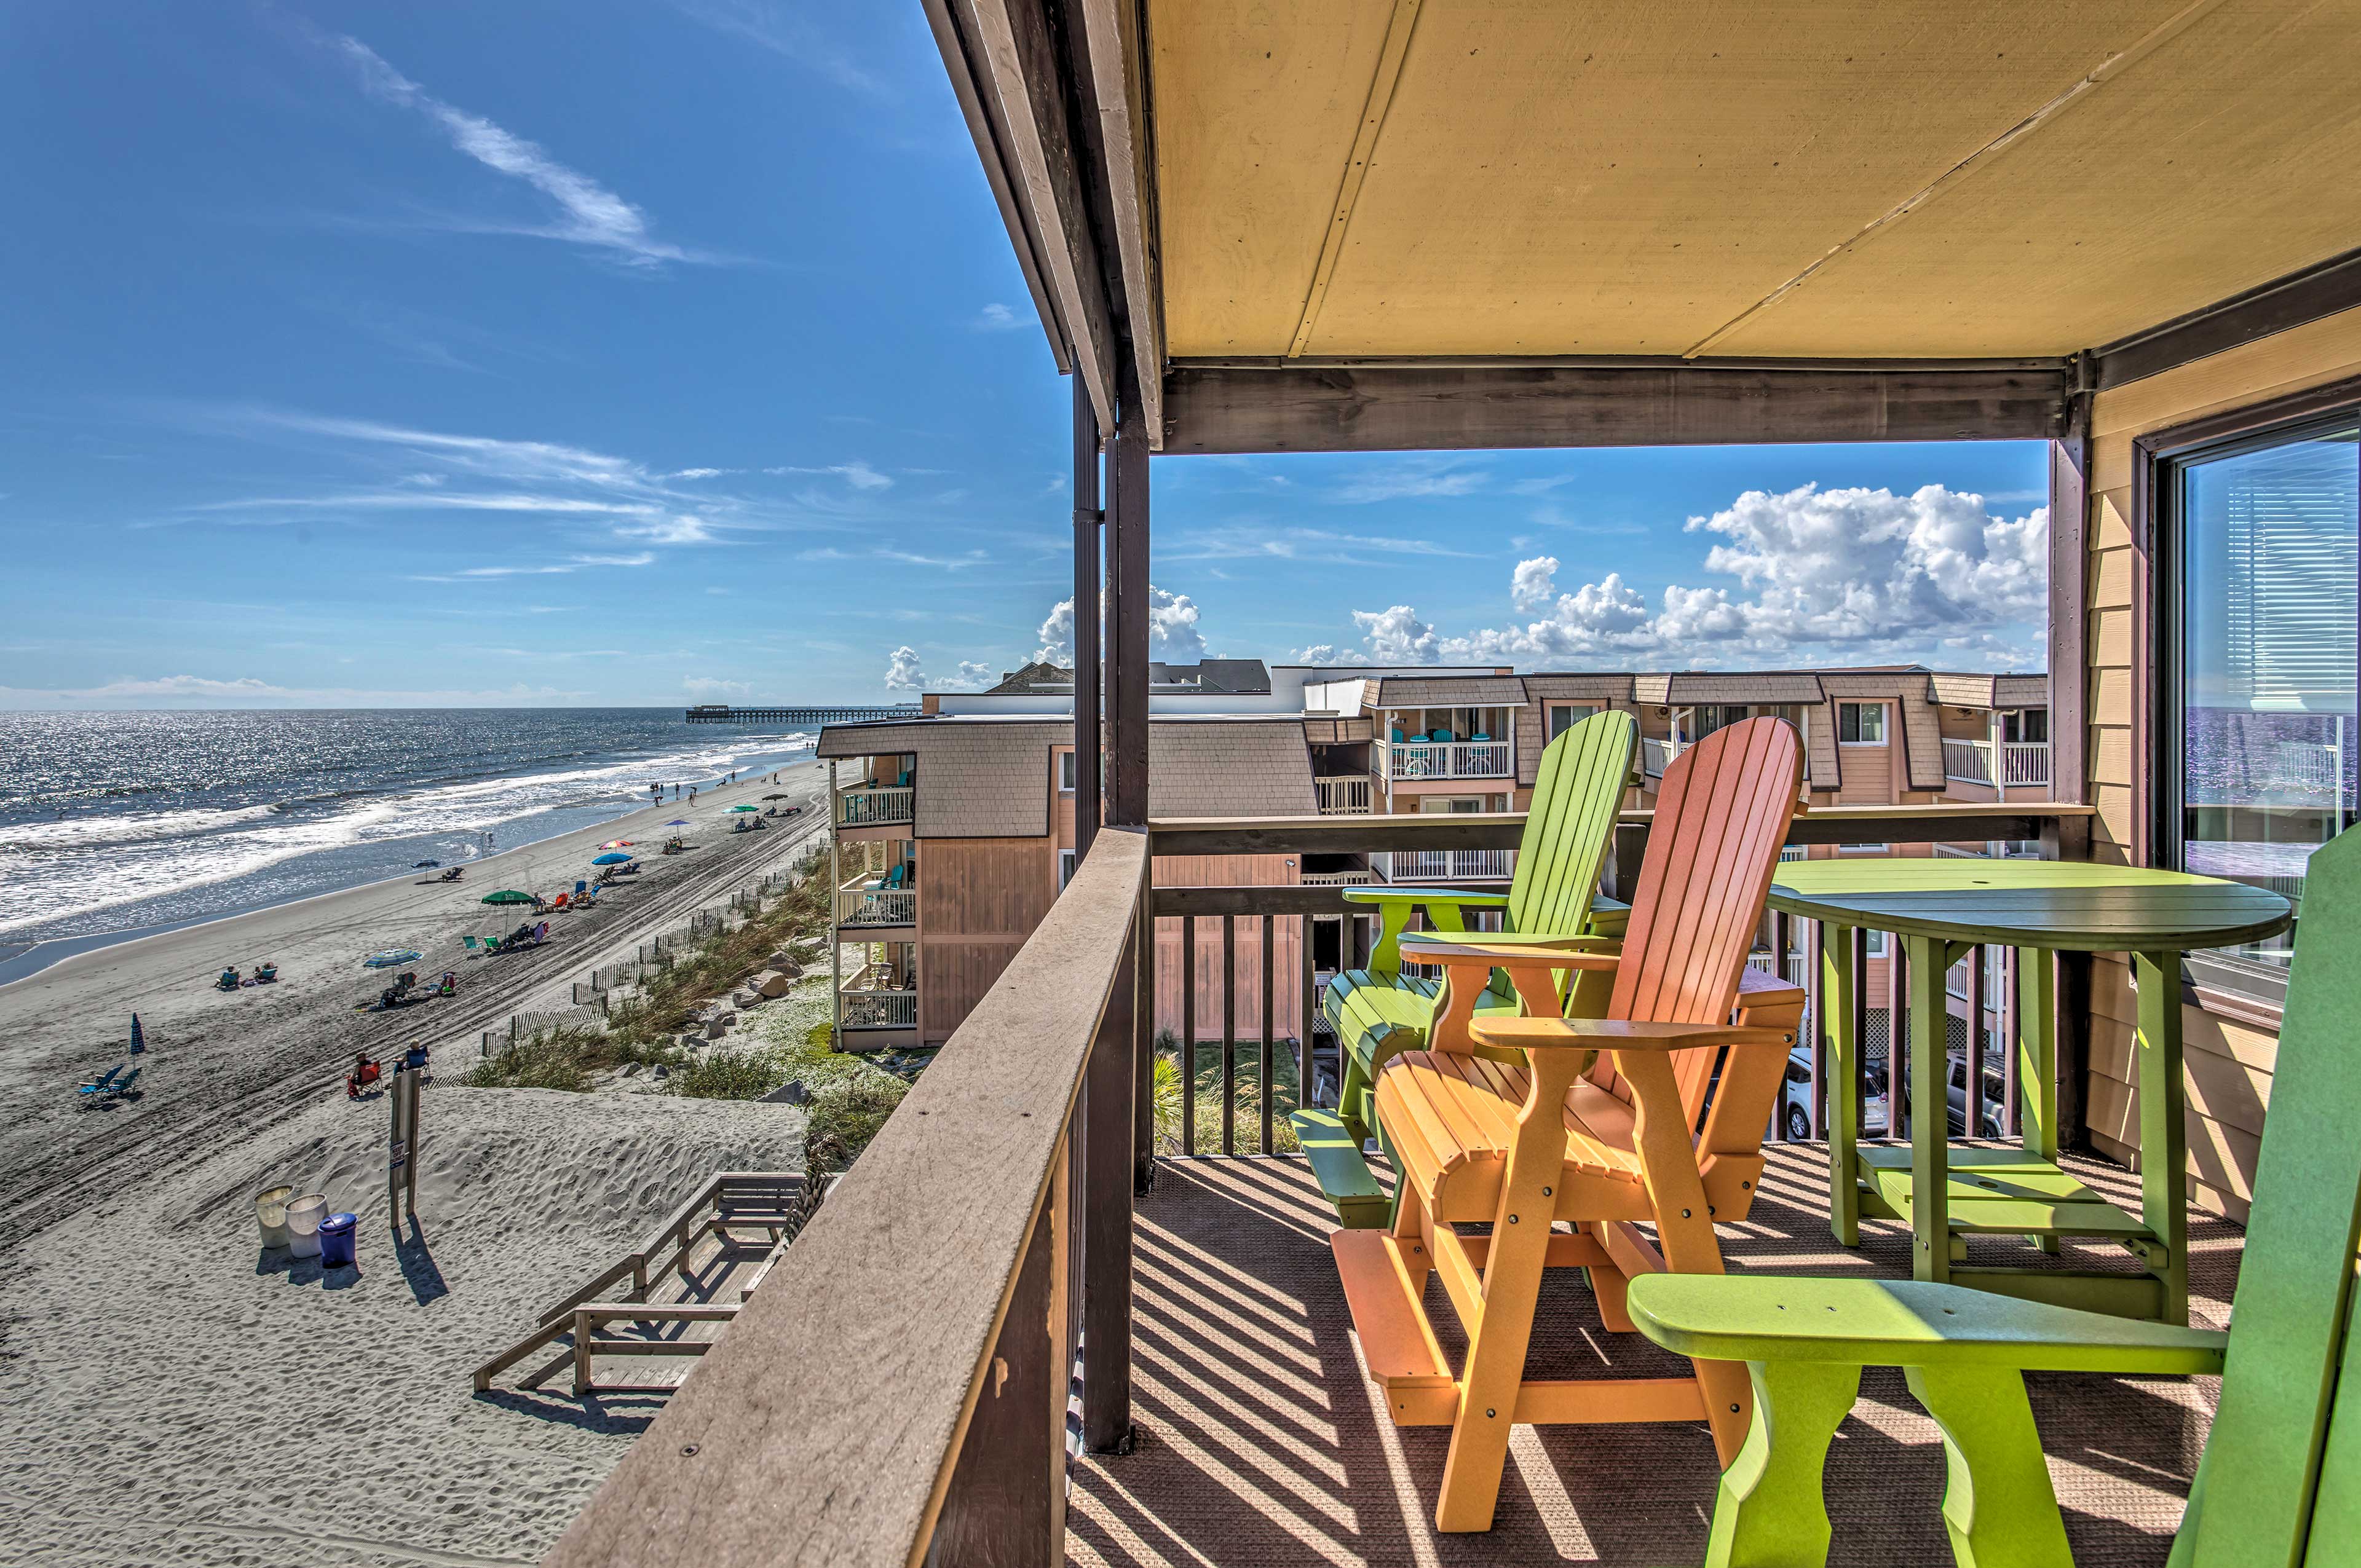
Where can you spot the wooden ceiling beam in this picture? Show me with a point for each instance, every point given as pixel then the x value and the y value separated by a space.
pixel 1009 50
pixel 1466 405
pixel 2300 297
pixel 1114 33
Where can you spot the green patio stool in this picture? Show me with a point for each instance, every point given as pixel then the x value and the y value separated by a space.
pixel 1378 1012
pixel 2279 1482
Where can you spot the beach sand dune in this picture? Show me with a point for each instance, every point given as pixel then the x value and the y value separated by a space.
pixel 227 1067
pixel 181 1394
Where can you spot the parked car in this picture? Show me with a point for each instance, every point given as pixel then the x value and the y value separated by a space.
pixel 1795 1112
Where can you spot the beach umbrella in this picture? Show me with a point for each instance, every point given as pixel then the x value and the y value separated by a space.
pixel 741 808
pixel 677 822
pixel 610 859
pixel 618 843
pixel 509 895
pixel 777 796
pixel 387 958
pixel 138 1037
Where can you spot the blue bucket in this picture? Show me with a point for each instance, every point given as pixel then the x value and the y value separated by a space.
pixel 337 1241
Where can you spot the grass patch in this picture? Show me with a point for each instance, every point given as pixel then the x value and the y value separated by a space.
pixel 1165 1091
pixel 729 1075
pixel 566 1058
pixel 668 997
pixel 845 1115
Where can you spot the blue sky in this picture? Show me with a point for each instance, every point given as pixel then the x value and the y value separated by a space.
pixel 657 352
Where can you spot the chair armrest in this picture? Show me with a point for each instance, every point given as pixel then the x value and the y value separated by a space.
pixel 1616 1035
pixel 1895 1322
pixel 1424 895
pixel 1484 951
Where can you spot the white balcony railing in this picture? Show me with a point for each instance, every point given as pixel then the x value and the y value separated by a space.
pixel 1448 759
pixel 876 906
pixel 1655 754
pixel 1345 796
pixel 878 1009
pixel 1338 879
pixel 1407 866
pixel 875 808
pixel 1769 965
pixel 2022 763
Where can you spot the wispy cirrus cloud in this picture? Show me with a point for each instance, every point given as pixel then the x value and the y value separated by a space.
pixel 857 474
pixel 587 214
pixel 778 28
pixel 1410 478
pixel 545 569
pixel 1247 541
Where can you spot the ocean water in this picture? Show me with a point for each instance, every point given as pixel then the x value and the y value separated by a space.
pixel 112 823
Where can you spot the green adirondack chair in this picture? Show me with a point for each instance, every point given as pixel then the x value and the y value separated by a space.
pixel 2280 1480
pixel 1378 1011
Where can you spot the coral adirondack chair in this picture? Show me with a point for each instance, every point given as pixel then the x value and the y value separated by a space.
pixel 2279 1482
pixel 1378 1011
pixel 1596 1128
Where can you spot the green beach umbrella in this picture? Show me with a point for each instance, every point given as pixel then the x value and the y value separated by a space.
pixel 741 808
pixel 509 895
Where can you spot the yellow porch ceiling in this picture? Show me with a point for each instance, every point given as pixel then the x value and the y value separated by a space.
pixel 1633 177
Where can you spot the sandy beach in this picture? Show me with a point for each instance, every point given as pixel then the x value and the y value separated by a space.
pixel 181 1394
pixel 221 1066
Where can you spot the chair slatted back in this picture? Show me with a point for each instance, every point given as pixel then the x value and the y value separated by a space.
pixel 1577 793
pixel 1721 814
pixel 2281 1481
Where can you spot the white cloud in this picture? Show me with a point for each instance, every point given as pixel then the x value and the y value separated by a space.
pixel 1416 476
pixel 679 529
pixel 1256 541
pixel 1172 629
pixel 710 686
pixel 777 29
pixel 973 676
pixel 1397 636
pixel 548 569
pixel 999 318
pixel 857 474
pixel 698 473
pixel 1172 626
pixel 902 672
pixel 1812 575
pixel 1533 582
pixel 590 213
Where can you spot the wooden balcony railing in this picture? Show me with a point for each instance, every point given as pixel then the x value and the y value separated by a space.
pixel 877 1008
pixel 876 808
pixel 2019 763
pixel 876 906
pixel 1347 795
pixel 1449 760
pixel 896 1392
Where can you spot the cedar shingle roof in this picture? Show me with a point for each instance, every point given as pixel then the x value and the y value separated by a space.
pixel 1682 688
pixel 986 780
pixel 1234 768
pixel 1449 691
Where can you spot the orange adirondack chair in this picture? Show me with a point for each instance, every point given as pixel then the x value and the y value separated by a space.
pixel 1525 1121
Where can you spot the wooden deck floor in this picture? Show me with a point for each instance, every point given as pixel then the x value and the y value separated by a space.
pixel 1261 1441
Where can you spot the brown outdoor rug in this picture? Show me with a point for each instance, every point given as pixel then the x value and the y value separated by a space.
pixel 1261 1441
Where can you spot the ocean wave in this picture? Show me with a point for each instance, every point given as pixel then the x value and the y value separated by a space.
pixel 86 863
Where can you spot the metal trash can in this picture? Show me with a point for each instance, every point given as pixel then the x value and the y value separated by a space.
pixel 337 1241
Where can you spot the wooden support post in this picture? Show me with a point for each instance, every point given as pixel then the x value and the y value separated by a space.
pixel 1106 1226
pixel 1898 1122
pixel 1126 684
pixel 1307 997
pixel 2069 498
pixel 1088 520
pixel 1189 1035
pixel 1143 1046
pixel 1006 1500
pixel 1229 1034
pixel 1782 930
pixel 1976 1042
pixel 1265 1084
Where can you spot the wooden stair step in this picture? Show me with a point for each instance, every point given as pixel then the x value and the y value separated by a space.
pixel 1389 1317
pixel 1341 1170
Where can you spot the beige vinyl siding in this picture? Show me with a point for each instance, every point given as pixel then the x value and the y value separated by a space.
pixel 2229 1062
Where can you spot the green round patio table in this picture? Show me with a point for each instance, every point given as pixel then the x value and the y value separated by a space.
pixel 1939 910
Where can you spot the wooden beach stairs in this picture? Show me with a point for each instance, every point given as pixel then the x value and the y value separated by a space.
pixel 715 1282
